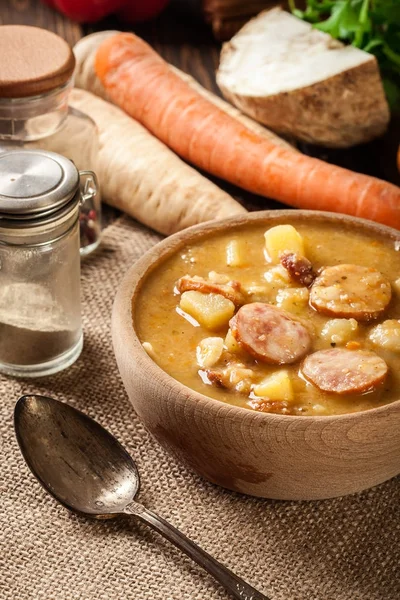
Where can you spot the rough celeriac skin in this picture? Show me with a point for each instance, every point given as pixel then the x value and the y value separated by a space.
pixel 301 82
pixel 175 340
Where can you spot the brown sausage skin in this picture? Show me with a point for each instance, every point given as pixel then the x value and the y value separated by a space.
pixel 231 290
pixel 351 291
pixel 299 268
pixel 343 371
pixel 270 334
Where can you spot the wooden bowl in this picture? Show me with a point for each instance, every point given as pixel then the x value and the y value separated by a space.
pixel 267 455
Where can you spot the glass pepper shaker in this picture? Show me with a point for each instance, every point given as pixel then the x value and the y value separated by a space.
pixel 36 76
pixel 40 311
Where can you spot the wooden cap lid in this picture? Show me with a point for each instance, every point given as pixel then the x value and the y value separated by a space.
pixel 33 61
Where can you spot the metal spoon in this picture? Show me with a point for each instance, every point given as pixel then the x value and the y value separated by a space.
pixel 86 469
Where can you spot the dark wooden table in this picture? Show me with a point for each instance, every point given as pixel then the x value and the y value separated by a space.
pixel 188 43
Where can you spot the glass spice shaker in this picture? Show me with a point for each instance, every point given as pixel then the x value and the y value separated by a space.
pixel 40 311
pixel 36 71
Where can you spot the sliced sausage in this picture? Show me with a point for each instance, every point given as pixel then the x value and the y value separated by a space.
pixel 343 371
pixel 299 268
pixel 362 293
pixel 270 334
pixel 231 290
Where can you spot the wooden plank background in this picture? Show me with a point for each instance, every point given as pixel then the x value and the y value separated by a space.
pixel 188 43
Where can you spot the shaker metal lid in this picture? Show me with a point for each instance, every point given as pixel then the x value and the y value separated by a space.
pixel 35 183
pixel 33 61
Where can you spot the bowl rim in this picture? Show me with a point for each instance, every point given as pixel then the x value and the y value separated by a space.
pixel 134 278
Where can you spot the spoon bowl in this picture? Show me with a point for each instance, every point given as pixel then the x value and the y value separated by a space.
pixel 89 472
pixel 80 463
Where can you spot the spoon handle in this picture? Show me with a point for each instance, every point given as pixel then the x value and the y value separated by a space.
pixel 237 587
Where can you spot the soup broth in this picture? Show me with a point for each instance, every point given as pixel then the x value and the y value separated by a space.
pixel 172 336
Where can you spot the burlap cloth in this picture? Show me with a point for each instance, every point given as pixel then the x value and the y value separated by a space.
pixel 342 549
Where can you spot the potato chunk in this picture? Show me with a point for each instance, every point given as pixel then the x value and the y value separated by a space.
pixel 278 276
pixel 277 386
pixel 230 343
pixel 259 293
pixel 339 331
pixel 293 299
pixel 209 351
pixel 282 238
pixel 210 310
pixel 387 335
pixel 218 278
pixel 276 279
pixel 235 254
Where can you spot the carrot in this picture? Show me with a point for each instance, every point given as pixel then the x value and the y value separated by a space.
pixel 142 83
pixel 85 77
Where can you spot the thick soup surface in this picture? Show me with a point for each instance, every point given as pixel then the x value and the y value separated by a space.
pixel 298 321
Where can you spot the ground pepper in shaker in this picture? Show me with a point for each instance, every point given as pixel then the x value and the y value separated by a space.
pixel 36 75
pixel 40 310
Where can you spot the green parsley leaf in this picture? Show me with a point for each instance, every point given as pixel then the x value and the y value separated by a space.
pixel 372 25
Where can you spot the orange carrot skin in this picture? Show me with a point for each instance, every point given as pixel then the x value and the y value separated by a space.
pixel 139 81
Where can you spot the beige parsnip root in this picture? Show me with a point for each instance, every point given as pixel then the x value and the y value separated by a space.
pixel 142 177
pixel 86 78
pixel 85 54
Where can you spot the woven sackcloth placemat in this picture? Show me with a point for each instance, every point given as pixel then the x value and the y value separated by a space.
pixel 342 549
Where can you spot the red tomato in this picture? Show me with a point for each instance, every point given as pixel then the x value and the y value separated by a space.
pixel 141 10
pixel 87 11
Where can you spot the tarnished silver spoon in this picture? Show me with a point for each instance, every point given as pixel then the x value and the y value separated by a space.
pixel 86 469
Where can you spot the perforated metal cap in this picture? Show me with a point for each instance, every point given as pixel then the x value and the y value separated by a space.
pixel 35 183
